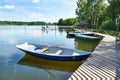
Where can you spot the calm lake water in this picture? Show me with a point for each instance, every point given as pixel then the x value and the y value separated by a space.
pixel 16 65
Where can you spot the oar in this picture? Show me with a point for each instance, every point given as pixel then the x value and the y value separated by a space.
pixel 54 45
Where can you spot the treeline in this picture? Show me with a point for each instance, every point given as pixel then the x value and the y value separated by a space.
pixel 67 22
pixel 99 14
pixel 24 23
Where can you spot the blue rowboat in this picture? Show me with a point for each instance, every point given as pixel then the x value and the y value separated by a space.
pixel 53 52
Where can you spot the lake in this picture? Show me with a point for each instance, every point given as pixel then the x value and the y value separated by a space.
pixel 16 65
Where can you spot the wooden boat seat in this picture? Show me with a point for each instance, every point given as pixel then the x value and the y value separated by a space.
pixel 41 50
pixel 58 52
pixel 75 54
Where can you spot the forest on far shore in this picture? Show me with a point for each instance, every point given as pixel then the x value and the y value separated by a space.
pixel 25 23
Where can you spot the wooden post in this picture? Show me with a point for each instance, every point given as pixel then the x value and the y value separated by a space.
pixel 118 27
pixel 97 28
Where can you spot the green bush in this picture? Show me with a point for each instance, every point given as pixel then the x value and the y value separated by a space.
pixel 113 33
pixel 108 25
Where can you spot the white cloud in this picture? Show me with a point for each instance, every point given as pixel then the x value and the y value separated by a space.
pixel 43 8
pixel 35 1
pixel 7 7
pixel 35 16
pixel 68 2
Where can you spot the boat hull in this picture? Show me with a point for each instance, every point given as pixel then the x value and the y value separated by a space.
pixel 59 58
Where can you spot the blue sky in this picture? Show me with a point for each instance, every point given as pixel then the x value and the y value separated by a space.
pixel 37 10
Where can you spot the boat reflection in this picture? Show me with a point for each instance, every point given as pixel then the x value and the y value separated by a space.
pixel 48 64
pixel 85 45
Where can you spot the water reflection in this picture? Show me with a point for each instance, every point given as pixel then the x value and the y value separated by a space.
pixel 49 64
pixel 85 45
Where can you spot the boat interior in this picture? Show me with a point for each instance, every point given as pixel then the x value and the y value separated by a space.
pixel 42 49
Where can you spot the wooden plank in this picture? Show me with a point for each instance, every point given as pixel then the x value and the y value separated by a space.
pixel 103 74
pixel 94 76
pixel 41 50
pixel 58 52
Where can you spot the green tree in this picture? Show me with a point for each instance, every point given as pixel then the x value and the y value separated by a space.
pixel 60 22
pixel 111 15
pixel 114 9
pixel 67 22
pixel 90 11
pixel 80 11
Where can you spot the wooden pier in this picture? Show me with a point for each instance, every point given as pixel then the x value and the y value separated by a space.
pixel 104 64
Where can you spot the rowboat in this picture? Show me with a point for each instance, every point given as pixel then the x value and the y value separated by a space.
pixel 87 36
pixel 73 34
pixel 53 52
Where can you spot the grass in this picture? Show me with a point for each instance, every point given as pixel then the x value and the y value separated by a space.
pixel 112 33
